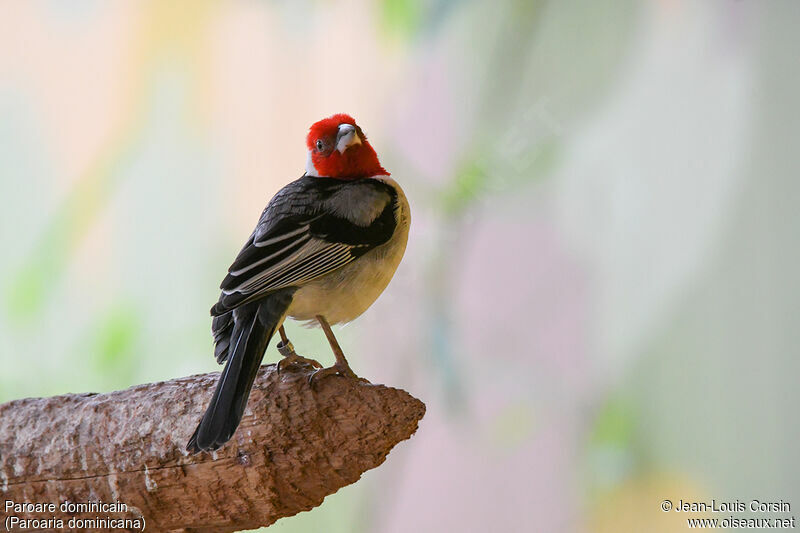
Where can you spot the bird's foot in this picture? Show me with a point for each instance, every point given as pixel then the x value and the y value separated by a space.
pixel 337 369
pixel 290 357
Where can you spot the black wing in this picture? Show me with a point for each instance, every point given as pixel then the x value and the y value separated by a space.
pixel 310 228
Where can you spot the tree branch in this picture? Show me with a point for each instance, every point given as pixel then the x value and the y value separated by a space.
pixel 295 446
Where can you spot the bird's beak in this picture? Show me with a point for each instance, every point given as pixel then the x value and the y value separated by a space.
pixel 346 137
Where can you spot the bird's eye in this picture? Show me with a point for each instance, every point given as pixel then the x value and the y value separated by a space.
pixel 320 145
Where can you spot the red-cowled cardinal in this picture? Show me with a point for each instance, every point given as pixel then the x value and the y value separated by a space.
pixel 324 249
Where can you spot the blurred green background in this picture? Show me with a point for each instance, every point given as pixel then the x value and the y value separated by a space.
pixel 600 298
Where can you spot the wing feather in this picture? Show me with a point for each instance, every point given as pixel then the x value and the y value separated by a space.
pixel 293 246
pixel 300 237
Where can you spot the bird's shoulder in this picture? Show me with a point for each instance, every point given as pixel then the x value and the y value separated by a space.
pixel 358 202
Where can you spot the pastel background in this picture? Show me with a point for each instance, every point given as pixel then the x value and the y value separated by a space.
pixel 600 298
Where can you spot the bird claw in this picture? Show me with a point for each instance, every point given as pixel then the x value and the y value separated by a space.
pixel 290 357
pixel 336 369
pixel 297 360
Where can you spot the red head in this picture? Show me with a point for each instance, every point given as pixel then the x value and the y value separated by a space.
pixel 337 148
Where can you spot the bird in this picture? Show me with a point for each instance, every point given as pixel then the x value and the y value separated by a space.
pixel 323 250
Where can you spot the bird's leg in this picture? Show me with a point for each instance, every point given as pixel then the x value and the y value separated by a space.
pixel 290 357
pixel 340 366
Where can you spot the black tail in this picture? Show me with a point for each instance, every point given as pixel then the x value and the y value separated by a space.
pixel 253 326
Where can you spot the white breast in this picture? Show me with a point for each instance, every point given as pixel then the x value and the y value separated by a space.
pixel 344 294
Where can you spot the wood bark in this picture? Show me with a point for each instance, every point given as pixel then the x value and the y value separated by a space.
pixel 295 445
